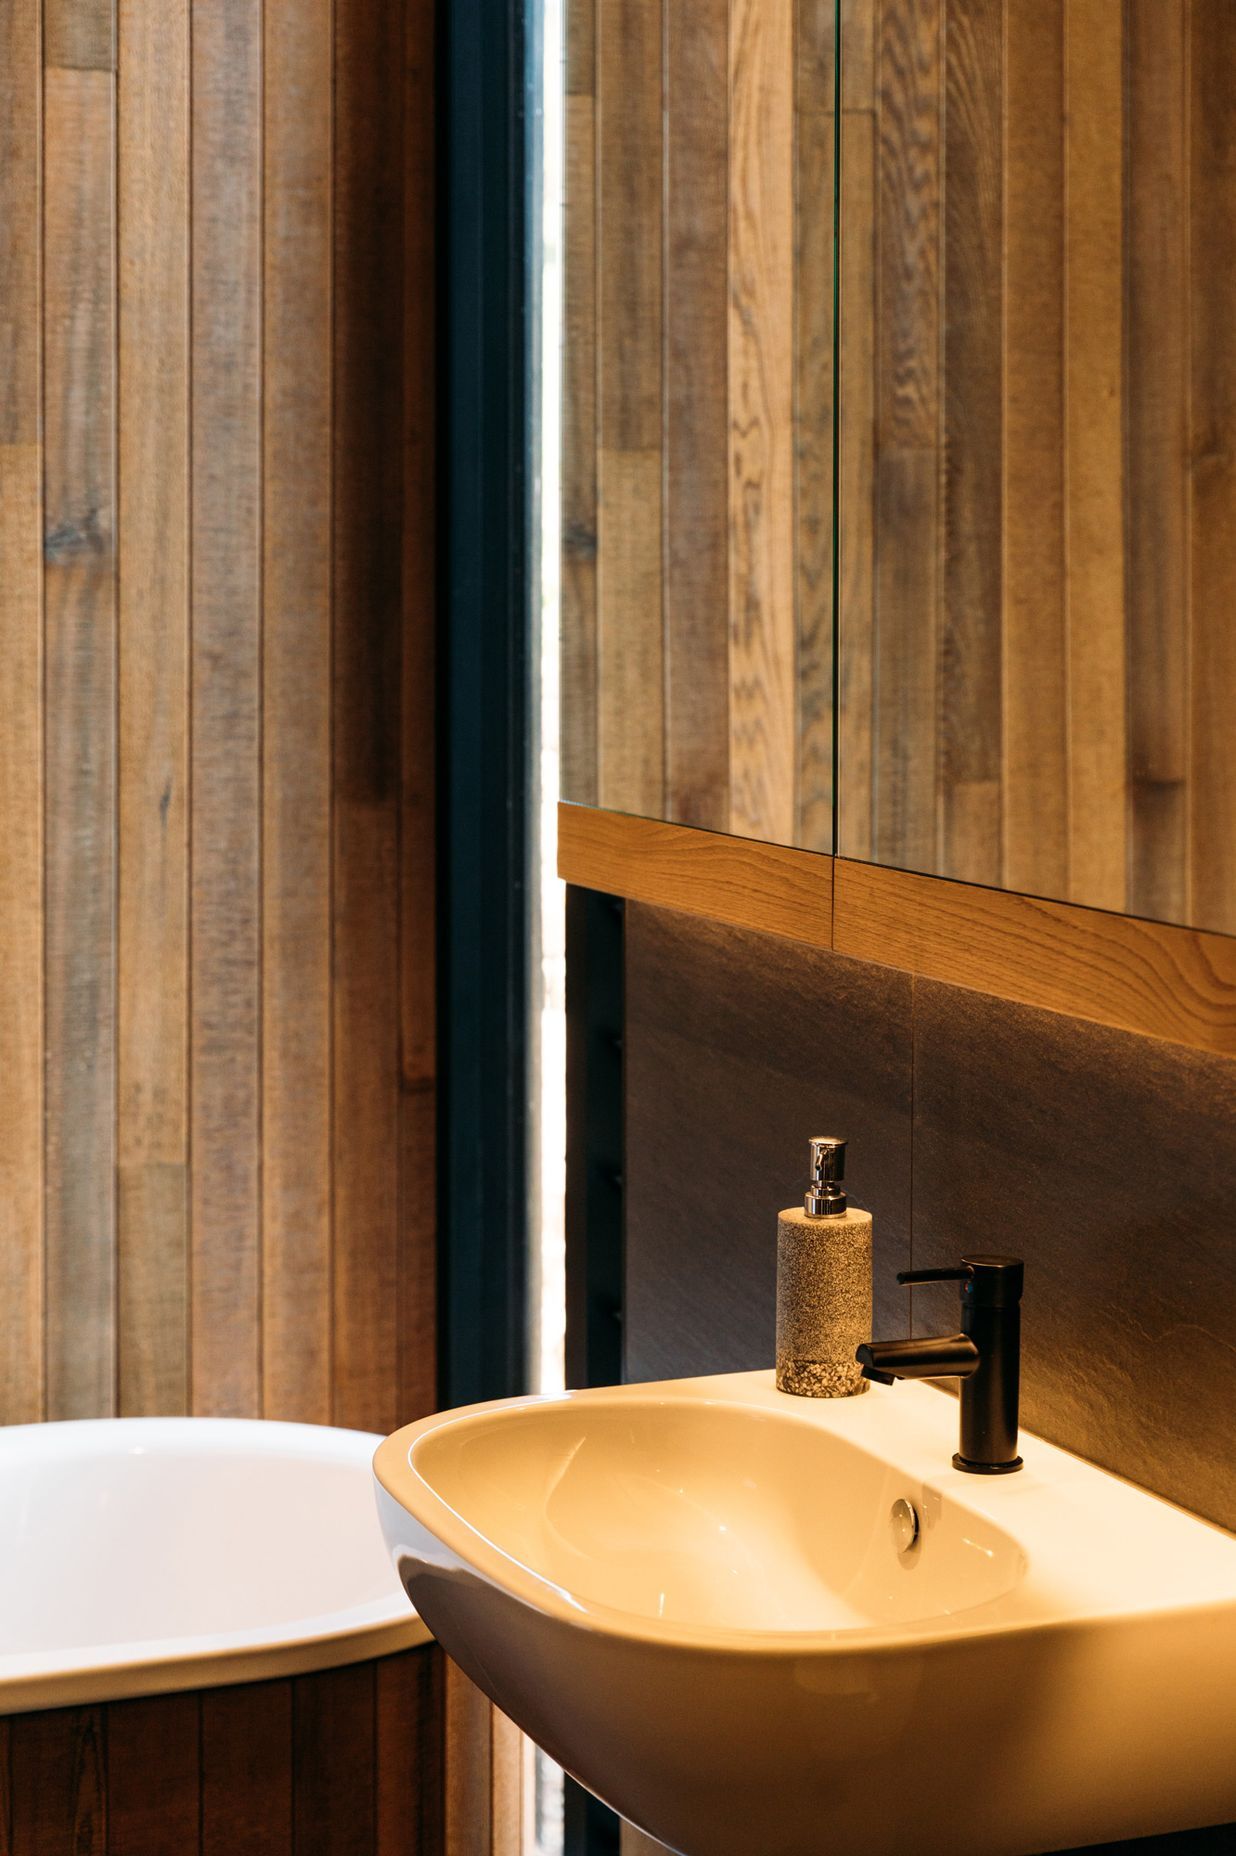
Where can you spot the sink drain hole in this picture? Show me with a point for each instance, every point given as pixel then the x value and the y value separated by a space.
pixel 903 1519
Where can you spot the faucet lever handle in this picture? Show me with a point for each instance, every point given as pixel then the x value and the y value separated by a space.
pixel 963 1274
pixel 987 1281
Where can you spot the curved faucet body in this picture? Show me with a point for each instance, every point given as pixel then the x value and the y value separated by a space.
pixel 985 1356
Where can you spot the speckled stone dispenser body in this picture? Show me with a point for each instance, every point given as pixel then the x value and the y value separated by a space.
pixel 823 1302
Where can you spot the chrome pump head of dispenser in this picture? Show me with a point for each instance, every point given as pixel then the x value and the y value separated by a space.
pixel 825 1199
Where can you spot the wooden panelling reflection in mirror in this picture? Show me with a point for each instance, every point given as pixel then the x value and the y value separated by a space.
pixel 697 572
pixel 1038 448
pixel 1037 436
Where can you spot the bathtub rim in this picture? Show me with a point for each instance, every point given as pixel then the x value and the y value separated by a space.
pixel 32 1680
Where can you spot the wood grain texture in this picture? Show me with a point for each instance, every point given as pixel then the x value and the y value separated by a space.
pixel 581 47
pixel 6 1790
pixel 1034 774
pixel 22 1369
pixel 344 1761
pixel 417 1351
pixel 58 1801
pixel 635 1843
pixel 296 715
pixel 1145 976
pixel 814 416
pixel 22 1372
pixel 79 35
pixel 225 890
pixel 1038 193
pixel 706 873
pixel 696 513
pixel 1030 512
pixel 578 492
pixel 416 1390
pixel 907 465
pixel 153 1305
pixel 247 1770
pixel 409 1701
pixel 815 62
pixel 856 414
pixel 629 223
pixel 1094 468
pixel 859 45
pixel 366 1137
pixel 201 313
pixel 79 594
pixel 506 1771
pixel 367 622
pixel 154 1801
pixel 904 658
pixel 696 569
pixel 152 954
pixel 21 172
pixel 1212 455
pixel 908 56
pixel 217 459
pixel 1156 445
pixel 972 288
pixel 334 1759
pixel 1168 982
pixel 763 654
pixel 469 1769
pixel 630 677
pixel 630 652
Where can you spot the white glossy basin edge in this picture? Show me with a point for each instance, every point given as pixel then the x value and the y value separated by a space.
pixel 145 1555
pixel 596 1563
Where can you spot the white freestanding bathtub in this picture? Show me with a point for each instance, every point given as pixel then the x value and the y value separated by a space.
pixel 143 1555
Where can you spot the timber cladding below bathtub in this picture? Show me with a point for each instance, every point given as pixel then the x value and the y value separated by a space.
pixel 344 1762
pixel 359 1761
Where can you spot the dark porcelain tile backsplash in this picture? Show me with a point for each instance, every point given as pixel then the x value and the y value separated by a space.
pixel 1107 1160
pixel 739 1048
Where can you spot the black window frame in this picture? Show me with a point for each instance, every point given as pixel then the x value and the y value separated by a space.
pixel 484 699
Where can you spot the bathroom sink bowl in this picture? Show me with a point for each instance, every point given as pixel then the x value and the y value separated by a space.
pixel 707 1601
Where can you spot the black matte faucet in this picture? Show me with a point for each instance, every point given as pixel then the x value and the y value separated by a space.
pixel 985 1356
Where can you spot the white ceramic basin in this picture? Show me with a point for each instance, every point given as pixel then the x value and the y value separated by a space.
pixel 694 1597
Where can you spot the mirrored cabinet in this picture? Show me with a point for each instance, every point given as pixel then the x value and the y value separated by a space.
pixel 971 540
pixel 697 583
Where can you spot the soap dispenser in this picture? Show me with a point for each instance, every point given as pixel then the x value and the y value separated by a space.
pixel 823 1284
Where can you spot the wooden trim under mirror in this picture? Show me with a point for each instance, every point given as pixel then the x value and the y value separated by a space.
pixel 742 881
pixel 1149 977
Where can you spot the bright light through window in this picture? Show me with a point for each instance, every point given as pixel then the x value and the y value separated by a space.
pixel 543 1786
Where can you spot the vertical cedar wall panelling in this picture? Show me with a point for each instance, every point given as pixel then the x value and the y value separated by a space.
pixel 697 454
pixel 216 980
pixel 21 738
pixel 216 769
pixel 1037 412
pixel 1038 405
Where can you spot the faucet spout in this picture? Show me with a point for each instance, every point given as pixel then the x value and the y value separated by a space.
pixel 985 1356
pixel 944 1357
